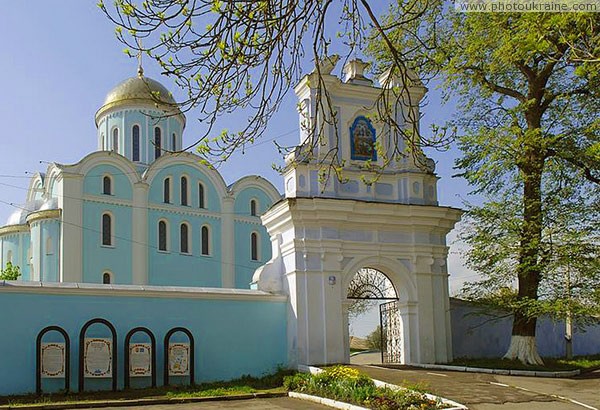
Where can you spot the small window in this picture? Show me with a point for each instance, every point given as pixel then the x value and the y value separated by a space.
pixel 49 246
pixel 254 246
pixel 135 136
pixel 184 239
pixel 106 278
pixel 253 207
pixel 205 241
pixel 157 143
pixel 162 236
pixel 184 191
pixel 167 191
pixel 106 230
pixel 106 185
pixel 116 140
pixel 201 203
pixel 174 142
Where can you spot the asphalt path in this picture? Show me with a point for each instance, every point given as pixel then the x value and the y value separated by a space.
pixel 480 391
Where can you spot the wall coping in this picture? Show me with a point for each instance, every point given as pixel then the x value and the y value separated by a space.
pixel 94 289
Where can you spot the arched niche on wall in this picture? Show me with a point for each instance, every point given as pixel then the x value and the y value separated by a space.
pixel 38 357
pixel 166 353
pixel 126 364
pixel 82 348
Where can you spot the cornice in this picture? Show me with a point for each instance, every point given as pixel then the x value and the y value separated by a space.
pixel 46 214
pixel 6 230
pixel 171 292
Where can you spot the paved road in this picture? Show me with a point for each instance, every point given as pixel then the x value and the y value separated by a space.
pixel 279 403
pixel 488 392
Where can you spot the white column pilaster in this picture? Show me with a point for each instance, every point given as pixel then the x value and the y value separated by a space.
pixel 140 232
pixel 71 228
pixel 227 244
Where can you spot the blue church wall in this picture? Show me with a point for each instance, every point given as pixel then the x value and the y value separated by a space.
pixel 475 335
pixel 177 269
pixel 49 250
pixel 17 244
pixel 121 187
pixel 233 335
pixel 243 198
pixel 116 258
pixel 212 202
pixel 245 266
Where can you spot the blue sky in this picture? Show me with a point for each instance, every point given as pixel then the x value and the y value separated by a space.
pixel 59 60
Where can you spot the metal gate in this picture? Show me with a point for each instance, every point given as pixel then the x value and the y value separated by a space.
pixel 391 332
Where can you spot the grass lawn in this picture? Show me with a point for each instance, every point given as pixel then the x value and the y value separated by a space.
pixel 550 363
pixel 267 384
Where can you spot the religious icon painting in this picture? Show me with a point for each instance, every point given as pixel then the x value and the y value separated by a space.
pixel 362 140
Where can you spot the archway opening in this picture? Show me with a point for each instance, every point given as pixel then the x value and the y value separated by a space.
pixel 374 323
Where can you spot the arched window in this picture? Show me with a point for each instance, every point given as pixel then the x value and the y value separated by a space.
pixel 184 238
pixel 254 246
pixel 49 247
pixel 106 278
pixel 106 230
pixel 162 236
pixel 174 142
pixel 135 137
pixel 201 203
pixel 253 207
pixel 167 191
pixel 205 241
pixel 116 140
pixel 157 143
pixel 184 191
pixel 106 185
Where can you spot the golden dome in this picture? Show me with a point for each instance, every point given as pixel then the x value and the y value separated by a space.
pixel 138 90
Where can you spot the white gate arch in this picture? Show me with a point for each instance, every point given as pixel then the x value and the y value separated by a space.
pixel 405 292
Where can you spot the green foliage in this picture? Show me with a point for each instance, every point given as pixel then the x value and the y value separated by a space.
pixel 374 338
pixel 349 385
pixel 10 272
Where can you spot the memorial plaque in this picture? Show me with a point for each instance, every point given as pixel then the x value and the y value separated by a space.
pixel 179 359
pixel 53 360
pixel 140 359
pixel 97 357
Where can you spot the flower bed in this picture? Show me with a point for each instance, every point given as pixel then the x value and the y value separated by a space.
pixel 351 386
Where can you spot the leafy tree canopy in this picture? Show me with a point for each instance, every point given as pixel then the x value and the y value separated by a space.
pixel 10 272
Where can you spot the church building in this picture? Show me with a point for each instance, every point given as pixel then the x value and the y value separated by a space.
pixel 137 211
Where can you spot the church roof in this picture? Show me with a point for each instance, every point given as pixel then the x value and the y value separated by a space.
pixel 138 90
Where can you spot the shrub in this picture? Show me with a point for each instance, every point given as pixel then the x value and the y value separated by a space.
pixel 350 385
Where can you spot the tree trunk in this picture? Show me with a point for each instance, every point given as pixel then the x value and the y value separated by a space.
pixel 522 345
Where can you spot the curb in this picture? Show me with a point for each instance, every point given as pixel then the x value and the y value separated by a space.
pixel 141 402
pixel 325 402
pixel 503 372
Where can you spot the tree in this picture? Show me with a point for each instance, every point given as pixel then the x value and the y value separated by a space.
pixel 374 339
pixel 529 134
pixel 233 55
pixel 10 272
